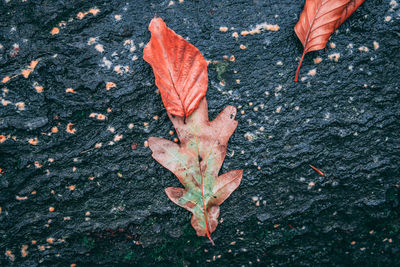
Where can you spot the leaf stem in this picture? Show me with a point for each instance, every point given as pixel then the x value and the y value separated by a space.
pixel 296 79
pixel 202 195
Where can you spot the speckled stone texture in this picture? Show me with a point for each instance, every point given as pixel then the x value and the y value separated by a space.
pixel 79 186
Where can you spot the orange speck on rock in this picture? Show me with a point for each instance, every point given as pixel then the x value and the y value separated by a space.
pixel 73 265
pixel 232 58
pixel 155 117
pixel 101 117
pixel 235 34
pixel 80 15
pixel 39 89
pixel 6 79
pixel 20 105
pixel 54 129
pixel 50 240
pixel 55 31
pixel 51 209
pixel 71 187
pixel 146 143
pixel 38 165
pixel 92 115
pixel 10 255
pixel 276 225
pixel 332 45
pixel 99 47
pixel 33 242
pixel 21 198
pixel 98 145
pixel 244 33
pixel 70 129
pixel 223 29
pixel 94 11
pixel 376 45
pixel 312 72
pixel 91 178
pixel 2 138
pixel 176 140
pixel 171 132
pixel 33 64
pixel 33 192
pixel 41 248
pixel 109 110
pixel 118 137
pixel 119 175
pixel 70 90
pixel 110 85
pixel 317 60
pixel 26 73
pixel 242 47
pixel 33 141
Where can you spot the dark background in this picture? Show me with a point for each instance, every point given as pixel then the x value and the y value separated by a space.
pixel 345 122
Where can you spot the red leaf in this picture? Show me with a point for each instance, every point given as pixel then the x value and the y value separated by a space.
pixel 179 68
pixel 319 19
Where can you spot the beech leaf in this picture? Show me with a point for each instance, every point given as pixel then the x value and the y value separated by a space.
pixel 319 19
pixel 196 162
pixel 179 68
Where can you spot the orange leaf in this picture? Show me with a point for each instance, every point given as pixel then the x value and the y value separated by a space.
pixel 179 68
pixel 319 19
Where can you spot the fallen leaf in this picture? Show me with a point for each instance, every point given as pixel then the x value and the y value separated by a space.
pixel 179 68
pixel 196 161
pixel 319 19
pixel 181 76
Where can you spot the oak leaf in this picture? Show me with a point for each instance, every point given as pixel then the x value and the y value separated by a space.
pixel 196 162
pixel 319 19
pixel 179 68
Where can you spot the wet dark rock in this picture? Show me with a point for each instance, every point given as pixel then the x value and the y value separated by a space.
pixel 96 197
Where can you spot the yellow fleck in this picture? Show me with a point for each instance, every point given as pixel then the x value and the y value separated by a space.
pixel 55 31
pixel 119 175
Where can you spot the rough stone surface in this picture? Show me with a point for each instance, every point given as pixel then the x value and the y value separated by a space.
pixel 93 194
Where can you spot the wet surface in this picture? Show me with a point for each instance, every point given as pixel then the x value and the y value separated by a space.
pixel 78 184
